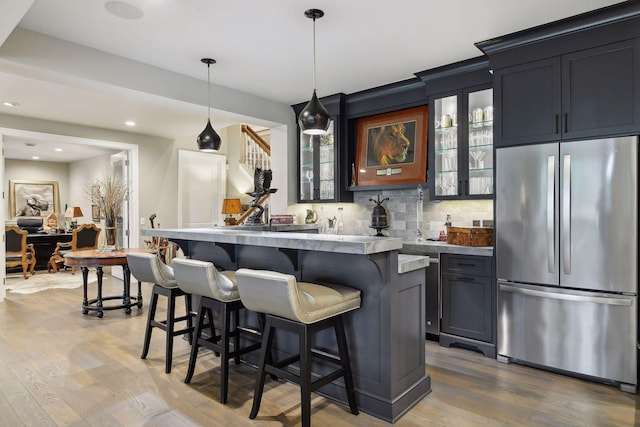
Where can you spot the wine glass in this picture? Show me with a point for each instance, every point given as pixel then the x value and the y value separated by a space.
pixel 309 176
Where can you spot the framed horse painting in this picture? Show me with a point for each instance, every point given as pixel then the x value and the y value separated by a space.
pixel 392 148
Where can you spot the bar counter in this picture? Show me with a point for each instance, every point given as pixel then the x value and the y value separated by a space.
pixel 385 335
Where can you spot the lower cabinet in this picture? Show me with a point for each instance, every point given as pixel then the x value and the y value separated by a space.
pixel 44 245
pixel 468 303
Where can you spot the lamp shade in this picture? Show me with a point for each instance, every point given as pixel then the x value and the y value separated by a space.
pixel 209 140
pixel 231 206
pixel 73 212
pixel 314 118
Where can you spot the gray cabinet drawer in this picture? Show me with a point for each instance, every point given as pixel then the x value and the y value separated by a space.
pixel 465 264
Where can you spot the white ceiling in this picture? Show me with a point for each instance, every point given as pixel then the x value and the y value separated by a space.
pixel 262 47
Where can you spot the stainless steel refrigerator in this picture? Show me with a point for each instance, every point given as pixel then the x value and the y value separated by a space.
pixel 567 257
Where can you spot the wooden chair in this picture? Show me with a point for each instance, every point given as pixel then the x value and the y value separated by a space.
pixel 18 252
pixel 84 237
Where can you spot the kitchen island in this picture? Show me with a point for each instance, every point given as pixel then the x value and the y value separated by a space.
pixel 385 335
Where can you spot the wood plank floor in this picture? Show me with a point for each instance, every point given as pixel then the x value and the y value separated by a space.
pixel 60 368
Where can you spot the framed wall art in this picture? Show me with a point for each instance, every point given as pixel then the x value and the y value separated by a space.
pixel 95 213
pixel 33 198
pixel 392 148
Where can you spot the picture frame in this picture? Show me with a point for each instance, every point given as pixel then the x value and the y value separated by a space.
pixel 392 148
pixel 33 198
pixel 95 213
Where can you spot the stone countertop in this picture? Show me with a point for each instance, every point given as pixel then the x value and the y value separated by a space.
pixel 428 246
pixel 305 241
pixel 408 263
pixel 275 227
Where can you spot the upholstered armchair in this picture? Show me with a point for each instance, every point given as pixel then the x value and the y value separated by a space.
pixel 18 252
pixel 84 237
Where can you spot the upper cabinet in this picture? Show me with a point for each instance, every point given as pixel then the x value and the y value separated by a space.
pixel 587 93
pixel 570 79
pixel 460 131
pixel 322 176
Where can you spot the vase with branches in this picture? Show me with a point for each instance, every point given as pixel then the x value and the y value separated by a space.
pixel 109 194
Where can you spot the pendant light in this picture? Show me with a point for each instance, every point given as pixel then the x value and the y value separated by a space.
pixel 314 118
pixel 209 140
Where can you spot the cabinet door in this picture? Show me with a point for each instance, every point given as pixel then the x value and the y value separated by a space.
pixel 444 163
pixel 478 142
pixel 317 163
pixel 467 306
pixel 527 103
pixel 599 87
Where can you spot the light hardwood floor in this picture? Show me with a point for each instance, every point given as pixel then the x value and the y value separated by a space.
pixel 60 368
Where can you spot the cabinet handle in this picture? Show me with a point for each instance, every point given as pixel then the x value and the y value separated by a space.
pixel 466 264
pixel 557 120
pixel 566 122
pixel 466 278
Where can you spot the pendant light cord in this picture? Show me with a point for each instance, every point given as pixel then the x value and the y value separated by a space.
pixel 209 92
pixel 314 54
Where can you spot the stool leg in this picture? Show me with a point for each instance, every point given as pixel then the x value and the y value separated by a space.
pixel 224 357
pixel 194 347
pixel 187 307
pixel 267 338
pixel 150 318
pixel 343 350
pixel 171 315
pixel 236 335
pixel 212 327
pixel 305 375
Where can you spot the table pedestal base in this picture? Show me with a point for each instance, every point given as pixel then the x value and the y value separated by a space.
pixel 96 304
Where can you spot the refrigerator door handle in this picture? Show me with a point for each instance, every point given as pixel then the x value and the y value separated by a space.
pixel 566 296
pixel 551 165
pixel 566 214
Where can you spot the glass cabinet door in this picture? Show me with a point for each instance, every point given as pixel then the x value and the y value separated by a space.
pixel 317 166
pixel 480 140
pixel 446 146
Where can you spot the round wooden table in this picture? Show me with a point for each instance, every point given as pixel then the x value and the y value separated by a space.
pixel 100 259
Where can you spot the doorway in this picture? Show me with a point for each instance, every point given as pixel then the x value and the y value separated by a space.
pixel 126 162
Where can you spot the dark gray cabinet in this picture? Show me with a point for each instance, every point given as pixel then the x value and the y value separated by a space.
pixel 588 93
pixel 468 302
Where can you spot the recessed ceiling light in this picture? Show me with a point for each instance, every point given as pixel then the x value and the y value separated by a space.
pixel 123 10
pixel 35 157
pixel 58 149
pixel 10 104
pixel 130 123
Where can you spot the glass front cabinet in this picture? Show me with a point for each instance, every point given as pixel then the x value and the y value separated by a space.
pixel 461 155
pixel 317 167
pixel 322 176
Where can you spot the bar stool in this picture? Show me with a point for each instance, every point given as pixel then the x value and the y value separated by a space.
pixel 147 267
pixel 303 308
pixel 217 290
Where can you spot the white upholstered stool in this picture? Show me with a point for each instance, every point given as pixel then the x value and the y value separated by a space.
pixel 147 267
pixel 303 308
pixel 217 290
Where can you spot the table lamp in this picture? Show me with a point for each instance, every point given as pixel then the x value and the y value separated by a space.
pixel 231 207
pixel 73 212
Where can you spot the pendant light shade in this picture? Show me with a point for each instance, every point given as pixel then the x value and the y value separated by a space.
pixel 314 118
pixel 209 140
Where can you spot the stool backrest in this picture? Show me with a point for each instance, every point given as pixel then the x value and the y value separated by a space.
pixel 148 268
pixel 269 292
pixel 203 278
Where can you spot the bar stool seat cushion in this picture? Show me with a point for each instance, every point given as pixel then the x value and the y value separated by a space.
pixel 148 268
pixel 281 295
pixel 202 278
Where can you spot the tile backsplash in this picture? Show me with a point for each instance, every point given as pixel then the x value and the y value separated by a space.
pixel 402 208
